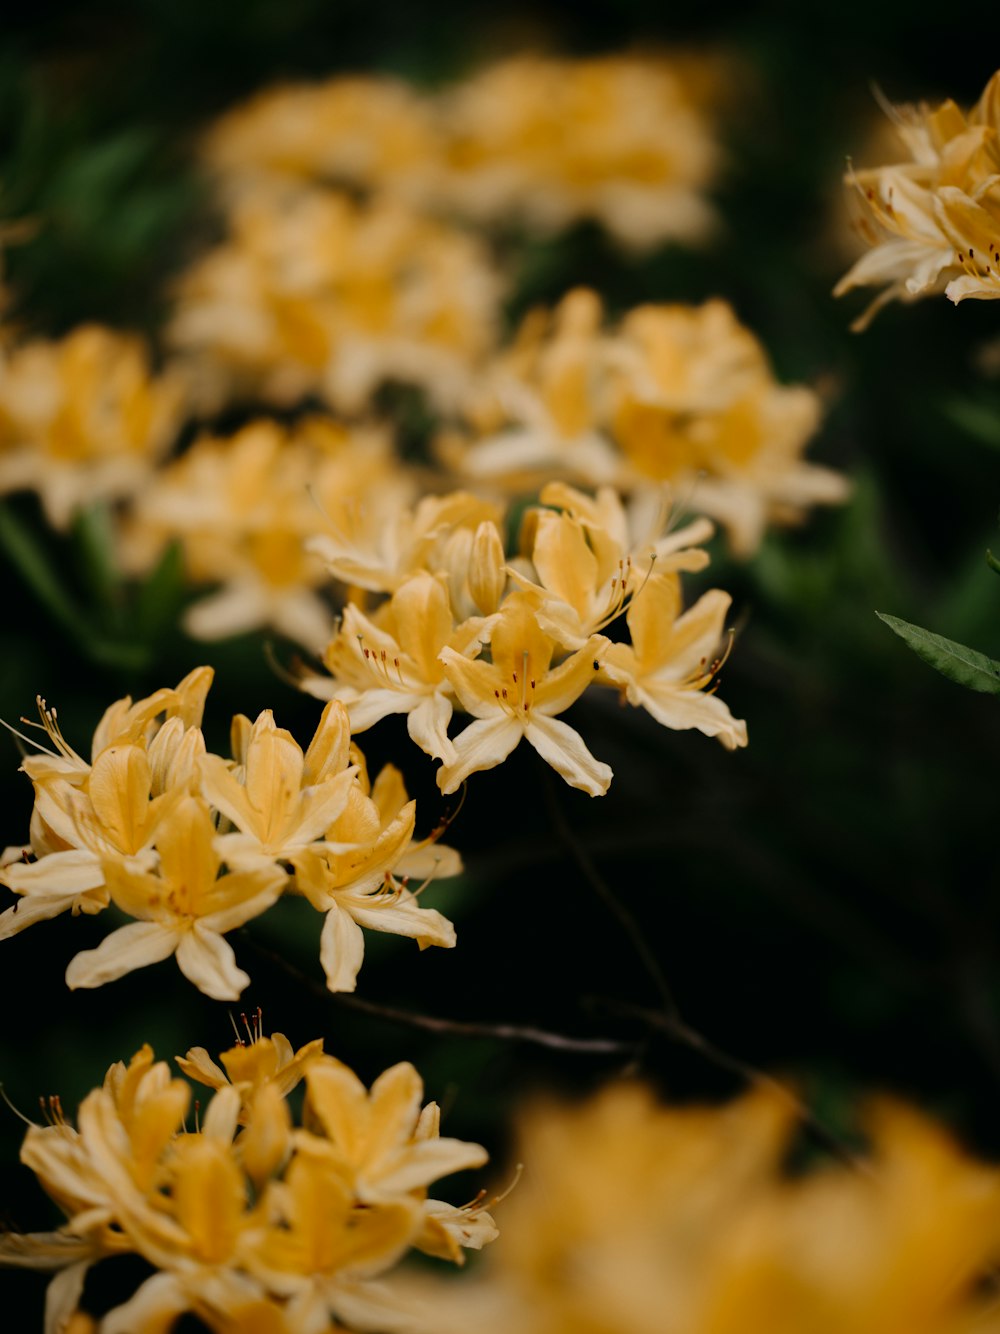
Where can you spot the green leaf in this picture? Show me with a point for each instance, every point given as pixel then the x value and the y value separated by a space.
pixel 992 562
pixel 960 664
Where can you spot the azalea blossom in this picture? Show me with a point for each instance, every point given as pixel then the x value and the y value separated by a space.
pixel 931 222
pixel 245 1217
pixel 517 695
pixel 673 659
pixel 183 908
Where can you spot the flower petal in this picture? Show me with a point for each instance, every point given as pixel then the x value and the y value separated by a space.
pixel 341 949
pixel 563 748
pixel 207 960
pixel 130 947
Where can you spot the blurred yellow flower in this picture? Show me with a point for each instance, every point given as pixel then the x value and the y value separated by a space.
pixel 634 1218
pixel 83 419
pixel 932 221
pixel 675 394
pixel 315 293
pixel 548 141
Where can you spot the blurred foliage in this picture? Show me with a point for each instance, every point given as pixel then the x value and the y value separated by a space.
pixel 824 904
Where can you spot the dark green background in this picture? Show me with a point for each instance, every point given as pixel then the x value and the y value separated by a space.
pixel 825 903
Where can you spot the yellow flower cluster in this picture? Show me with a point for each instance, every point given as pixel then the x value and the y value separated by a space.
pixel 250 1221
pixel 933 220
pixel 637 1219
pixel 314 292
pixel 621 140
pixel 190 845
pixel 83 419
pixel 674 393
pixel 242 509
pixel 515 643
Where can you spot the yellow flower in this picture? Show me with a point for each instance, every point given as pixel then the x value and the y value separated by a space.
pixel 251 1066
pixel 286 800
pixel 931 222
pixel 370 132
pixel 82 419
pixel 356 887
pixel 393 665
pixel 517 695
pixel 248 1222
pixel 673 659
pixel 615 138
pixel 184 908
pixel 315 293
pixel 243 509
pixel 589 564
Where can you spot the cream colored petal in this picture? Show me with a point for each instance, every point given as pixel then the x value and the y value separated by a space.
pixel 563 748
pixel 62 1296
pixel 197 1064
pixel 222 1116
pixel 423 621
pixel 341 949
pixel 430 861
pixel 427 725
pixel 329 751
pixel 561 687
pixel 244 895
pixel 393 1105
pixel 153 1309
pixel 378 703
pixel 130 947
pixel 27 911
pixel 482 745
pixel 43 1250
pixel 684 709
pixel 429 1159
pixel 340 1101
pixel 477 684
pixel 207 960
pixel 236 608
pixel 375 1306
pixel 564 561
pixel 425 925
pixel 225 792
pixel 697 634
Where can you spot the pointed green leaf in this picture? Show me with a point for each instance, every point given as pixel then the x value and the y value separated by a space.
pixel 960 664
pixel 992 562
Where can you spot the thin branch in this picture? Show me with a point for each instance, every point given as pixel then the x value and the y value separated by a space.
pixel 588 869
pixel 669 1019
pixel 430 1023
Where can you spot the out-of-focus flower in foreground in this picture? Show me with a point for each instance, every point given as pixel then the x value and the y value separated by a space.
pixel 633 1218
pixel 932 221
pixel 247 1212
